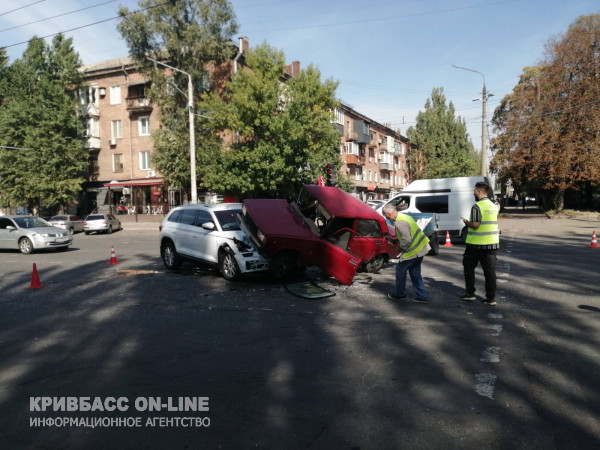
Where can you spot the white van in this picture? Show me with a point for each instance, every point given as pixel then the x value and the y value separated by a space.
pixel 450 198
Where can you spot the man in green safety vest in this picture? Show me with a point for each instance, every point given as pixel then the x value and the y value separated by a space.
pixel 483 241
pixel 413 244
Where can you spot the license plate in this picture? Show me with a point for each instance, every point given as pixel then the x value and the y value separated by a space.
pixel 64 239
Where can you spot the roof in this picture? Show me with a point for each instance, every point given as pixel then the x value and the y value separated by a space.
pixel 342 204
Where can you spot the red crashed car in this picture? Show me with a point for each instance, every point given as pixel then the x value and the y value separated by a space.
pixel 326 227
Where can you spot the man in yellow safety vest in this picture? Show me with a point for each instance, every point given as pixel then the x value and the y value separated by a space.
pixel 413 244
pixel 482 243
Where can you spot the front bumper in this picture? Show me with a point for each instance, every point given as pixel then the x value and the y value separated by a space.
pixel 251 262
pixel 40 242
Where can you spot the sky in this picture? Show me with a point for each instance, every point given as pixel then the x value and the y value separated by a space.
pixel 387 55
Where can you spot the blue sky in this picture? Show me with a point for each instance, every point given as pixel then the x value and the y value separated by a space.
pixel 388 55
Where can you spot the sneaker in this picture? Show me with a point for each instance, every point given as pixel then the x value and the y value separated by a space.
pixel 396 297
pixel 420 300
pixel 489 302
pixel 468 298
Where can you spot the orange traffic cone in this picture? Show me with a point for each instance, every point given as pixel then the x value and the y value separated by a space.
pixel 594 243
pixel 35 279
pixel 113 257
pixel 448 241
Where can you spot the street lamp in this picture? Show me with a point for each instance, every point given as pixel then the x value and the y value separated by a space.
pixel 484 137
pixel 192 131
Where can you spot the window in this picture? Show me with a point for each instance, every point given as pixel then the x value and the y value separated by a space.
pixel 144 126
pixel 203 217
pixel 115 129
pixel 93 128
pixel 188 217
pixel 368 228
pixel 115 95
pixel 145 161
pixel 432 204
pixel 118 162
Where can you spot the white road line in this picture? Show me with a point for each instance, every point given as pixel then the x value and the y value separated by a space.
pixel 485 384
pixel 491 355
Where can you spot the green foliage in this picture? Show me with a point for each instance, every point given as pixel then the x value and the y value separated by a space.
pixel 190 35
pixel 283 132
pixel 39 115
pixel 547 127
pixel 443 148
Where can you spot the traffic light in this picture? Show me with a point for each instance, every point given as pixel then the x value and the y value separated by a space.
pixel 330 175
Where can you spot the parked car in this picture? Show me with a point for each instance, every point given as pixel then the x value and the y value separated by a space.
pixel 105 223
pixel 375 203
pixel 209 234
pixel 29 233
pixel 326 227
pixel 67 222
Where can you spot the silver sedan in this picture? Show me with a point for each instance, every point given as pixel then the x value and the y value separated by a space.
pixel 29 233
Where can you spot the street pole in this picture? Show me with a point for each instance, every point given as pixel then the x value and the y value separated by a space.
pixel 484 134
pixel 194 187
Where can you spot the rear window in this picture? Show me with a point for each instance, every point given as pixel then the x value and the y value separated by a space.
pixel 432 204
pixel 95 217
pixel 368 228
pixel 175 215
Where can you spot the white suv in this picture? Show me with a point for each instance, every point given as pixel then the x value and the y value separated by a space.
pixel 210 234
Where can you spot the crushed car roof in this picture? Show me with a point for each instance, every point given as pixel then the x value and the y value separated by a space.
pixel 342 204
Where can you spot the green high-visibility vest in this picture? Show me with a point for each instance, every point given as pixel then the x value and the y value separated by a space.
pixel 488 231
pixel 418 240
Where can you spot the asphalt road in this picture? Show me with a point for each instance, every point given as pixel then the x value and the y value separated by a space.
pixel 354 370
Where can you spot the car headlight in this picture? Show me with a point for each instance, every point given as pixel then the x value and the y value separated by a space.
pixel 40 234
pixel 261 237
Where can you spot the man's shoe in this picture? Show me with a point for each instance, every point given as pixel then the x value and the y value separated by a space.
pixel 420 300
pixel 396 297
pixel 468 298
pixel 489 302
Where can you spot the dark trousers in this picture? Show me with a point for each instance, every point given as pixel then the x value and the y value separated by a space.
pixel 487 258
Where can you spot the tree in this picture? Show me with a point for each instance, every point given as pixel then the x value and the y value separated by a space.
pixel 547 128
pixel 39 115
pixel 193 36
pixel 442 147
pixel 283 132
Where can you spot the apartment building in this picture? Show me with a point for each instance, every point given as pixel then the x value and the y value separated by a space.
pixel 373 156
pixel 121 118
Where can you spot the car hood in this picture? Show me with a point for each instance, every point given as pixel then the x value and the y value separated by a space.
pixel 275 217
pixel 44 230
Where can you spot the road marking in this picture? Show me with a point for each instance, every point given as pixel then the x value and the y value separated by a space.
pixel 491 355
pixel 495 316
pixel 485 384
pixel 496 328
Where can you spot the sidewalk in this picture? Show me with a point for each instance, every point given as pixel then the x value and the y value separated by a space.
pixel 140 221
pixel 534 220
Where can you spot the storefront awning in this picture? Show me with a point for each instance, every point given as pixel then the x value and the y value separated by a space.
pixel 134 183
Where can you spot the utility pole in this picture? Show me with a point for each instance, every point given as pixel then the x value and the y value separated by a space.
pixel 190 96
pixel 484 134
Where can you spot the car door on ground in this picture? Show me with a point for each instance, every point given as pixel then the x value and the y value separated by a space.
pixel 337 262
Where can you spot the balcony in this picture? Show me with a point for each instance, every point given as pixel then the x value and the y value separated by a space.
pixel 93 143
pixel 138 104
pixel 386 166
pixel 352 137
pixel 352 160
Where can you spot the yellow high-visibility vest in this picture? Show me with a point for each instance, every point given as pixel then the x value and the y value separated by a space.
pixel 488 232
pixel 418 240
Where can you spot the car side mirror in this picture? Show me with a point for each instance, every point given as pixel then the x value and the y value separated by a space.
pixel 208 226
pixel 10 228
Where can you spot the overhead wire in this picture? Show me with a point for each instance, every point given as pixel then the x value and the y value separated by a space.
pixel 21 7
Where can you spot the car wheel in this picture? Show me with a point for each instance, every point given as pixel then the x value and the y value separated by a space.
pixel 71 231
pixel 109 231
pixel 170 257
pixel 26 246
pixel 374 264
pixel 434 244
pixel 228 266
pixel 282 265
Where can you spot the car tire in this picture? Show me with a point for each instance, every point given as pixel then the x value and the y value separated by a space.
pixel 228 266
pixel 434 245
pixel 26 246
pixel 375 264
pixel 282 265
pixel 109 231
pixel 171 259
